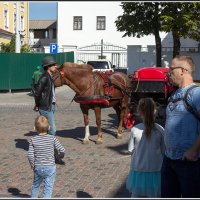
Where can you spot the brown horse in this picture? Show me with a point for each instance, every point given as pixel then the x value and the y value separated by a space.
pixel 95 91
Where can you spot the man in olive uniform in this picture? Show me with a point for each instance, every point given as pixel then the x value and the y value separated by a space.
pixel 35 78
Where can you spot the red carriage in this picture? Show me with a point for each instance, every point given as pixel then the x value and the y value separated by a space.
pixel 149 82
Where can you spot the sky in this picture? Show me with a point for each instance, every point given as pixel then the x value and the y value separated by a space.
pixel 42 10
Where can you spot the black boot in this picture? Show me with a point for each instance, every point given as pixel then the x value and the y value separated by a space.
pixel 58 159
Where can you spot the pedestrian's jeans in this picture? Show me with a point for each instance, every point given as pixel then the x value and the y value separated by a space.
pixel 46 173
pixel 180 178
pixel 50 117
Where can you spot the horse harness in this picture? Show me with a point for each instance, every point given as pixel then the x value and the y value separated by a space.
pixel 97 97
pixel 108 86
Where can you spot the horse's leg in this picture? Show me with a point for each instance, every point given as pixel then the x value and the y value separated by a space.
pixel 84 110
pixel 119 116
pixel 121 109
pixel 97 111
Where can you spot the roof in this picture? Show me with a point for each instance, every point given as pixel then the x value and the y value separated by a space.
pixel 42 24
pixel 2 31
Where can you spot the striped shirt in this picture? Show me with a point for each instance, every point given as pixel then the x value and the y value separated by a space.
pixel 41 150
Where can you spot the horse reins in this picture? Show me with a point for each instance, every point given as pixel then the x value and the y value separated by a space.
pixel 61 76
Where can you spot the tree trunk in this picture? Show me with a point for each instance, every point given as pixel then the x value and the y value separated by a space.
pixel 157 36
pixel 158 50
pixel 177 44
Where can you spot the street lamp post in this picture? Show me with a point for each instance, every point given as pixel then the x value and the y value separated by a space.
pixel 17 38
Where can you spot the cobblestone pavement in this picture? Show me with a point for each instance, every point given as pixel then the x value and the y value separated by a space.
pixel 96 171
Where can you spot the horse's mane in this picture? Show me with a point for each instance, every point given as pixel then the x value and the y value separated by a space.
pixel 81 66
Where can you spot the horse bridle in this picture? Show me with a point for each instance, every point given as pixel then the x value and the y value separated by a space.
pixel 59 74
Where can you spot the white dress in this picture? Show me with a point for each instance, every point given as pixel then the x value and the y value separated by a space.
pixel 146 161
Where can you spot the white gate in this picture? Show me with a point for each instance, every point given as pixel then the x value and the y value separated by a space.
pixel 116 54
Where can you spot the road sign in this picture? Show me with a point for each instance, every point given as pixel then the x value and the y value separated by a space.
pixel 53 48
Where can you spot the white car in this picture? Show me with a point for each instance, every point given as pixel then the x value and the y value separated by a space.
pixel 101 65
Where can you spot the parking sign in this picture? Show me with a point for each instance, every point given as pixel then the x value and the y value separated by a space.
pixel 53 48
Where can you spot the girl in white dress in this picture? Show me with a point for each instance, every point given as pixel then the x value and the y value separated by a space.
pixel 147 146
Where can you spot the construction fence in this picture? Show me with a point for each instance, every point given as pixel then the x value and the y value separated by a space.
pixel 17 68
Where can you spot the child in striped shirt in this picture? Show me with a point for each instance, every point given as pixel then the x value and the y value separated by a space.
pixel 41 157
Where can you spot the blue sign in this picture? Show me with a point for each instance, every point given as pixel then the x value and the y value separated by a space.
pixel 53 48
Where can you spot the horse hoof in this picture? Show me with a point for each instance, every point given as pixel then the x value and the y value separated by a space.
pixel 119 136
pixel 99 142
pixel 86 142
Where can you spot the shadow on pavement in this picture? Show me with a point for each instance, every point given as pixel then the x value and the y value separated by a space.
pixel 17 193
pixel 30 133
pixel 122 192
pixel 76 133
pixel 81 194
pixel 121 149
pixel 22 144
pixel 79 132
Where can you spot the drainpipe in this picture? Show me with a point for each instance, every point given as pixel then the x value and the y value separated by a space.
pixel 17 39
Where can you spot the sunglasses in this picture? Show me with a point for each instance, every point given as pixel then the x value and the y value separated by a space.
pixel 172 68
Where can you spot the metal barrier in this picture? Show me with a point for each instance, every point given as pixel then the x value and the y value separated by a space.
pixel 16 69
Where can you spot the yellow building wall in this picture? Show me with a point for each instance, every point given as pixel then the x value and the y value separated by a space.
pixel 4 40
pixel 11 7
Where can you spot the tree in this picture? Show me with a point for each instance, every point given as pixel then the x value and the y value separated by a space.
pixel 25 48
pixel 10 47
pixel 183 20
pixel 141 19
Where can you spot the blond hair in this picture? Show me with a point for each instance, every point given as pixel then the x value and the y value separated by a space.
pixel 146 107
pixel 188 60
pixel 41 124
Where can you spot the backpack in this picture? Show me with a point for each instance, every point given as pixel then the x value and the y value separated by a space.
pixel 187 105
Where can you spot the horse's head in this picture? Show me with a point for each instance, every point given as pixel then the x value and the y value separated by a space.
pixel 77 77
pixel 58 76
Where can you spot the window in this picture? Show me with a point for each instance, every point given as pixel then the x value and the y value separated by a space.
pixel 77 23
pixel 22 23
pixel 5 19
pixel 54 34
pixel 101 23
pixel 14 28
pixel 39 34
pixel 46 34
pixel 98 64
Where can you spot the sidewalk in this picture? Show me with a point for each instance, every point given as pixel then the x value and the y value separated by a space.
pixel 63 94
pixel 91 171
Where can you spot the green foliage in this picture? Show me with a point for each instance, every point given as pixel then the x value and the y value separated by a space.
pixel 25 48
pixel 141 19
pixel 138 19
pixel 182 19
pixel 10 47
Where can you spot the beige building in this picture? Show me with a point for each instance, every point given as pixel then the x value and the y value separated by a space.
pixel 42 33
pixel 8 21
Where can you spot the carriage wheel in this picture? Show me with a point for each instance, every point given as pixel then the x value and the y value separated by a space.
pixel 129 121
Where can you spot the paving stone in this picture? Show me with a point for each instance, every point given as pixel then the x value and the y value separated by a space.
pixel 91 171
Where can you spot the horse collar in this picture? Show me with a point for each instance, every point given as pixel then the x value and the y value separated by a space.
pixel 62 73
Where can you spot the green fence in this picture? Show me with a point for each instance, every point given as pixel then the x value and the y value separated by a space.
pixel 16 69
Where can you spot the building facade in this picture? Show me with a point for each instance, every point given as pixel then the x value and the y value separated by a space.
pixel 8 21
pixel 82 26
pixel 42 33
